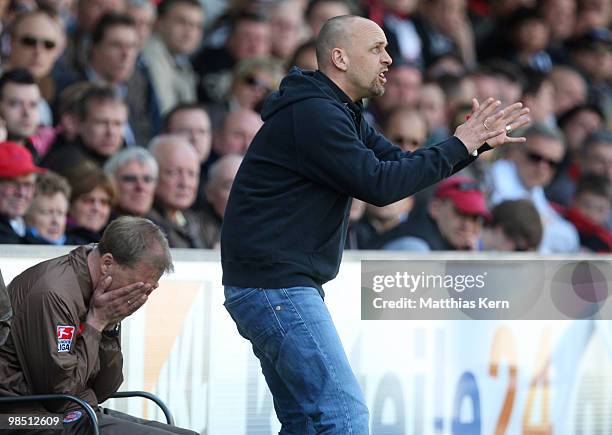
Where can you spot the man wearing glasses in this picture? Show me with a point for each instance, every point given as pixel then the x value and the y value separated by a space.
pixel 528 170
pixel 134 173
pixel 17 178
pixel 37 41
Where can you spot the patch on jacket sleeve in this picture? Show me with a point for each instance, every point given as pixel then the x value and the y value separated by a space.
pixel 65 334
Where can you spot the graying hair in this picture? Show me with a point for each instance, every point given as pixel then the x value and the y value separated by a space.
pixel 132 240
pixel 129 155
pixel 159 140
pixel 141 4
pixel 216 169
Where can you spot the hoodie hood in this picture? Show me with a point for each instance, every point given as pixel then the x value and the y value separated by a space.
pixel 298 85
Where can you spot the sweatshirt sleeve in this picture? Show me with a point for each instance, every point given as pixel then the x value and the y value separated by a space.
pixel 58 359
pixel 331 153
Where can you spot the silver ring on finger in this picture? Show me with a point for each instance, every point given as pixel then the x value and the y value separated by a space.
pixel 485 125
pixel 129 302
pixel 508 129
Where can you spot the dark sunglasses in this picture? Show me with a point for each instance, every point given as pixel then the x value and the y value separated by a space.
pixel 255 82
pixel 129 178
pixel 31 41
pixel 536 158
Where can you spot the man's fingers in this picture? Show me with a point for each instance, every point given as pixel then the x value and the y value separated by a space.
pixel 516 139
pixel 492 134
pixel 516 115
pixel 488 108
pixel 481 106
pixel 475 105
pixel 135 304
pixel 104 284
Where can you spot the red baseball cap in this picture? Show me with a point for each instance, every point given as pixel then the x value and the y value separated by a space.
pixel 16 161
pixel 465 194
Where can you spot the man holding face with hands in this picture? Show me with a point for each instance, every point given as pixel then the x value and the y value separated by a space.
pixel 67 312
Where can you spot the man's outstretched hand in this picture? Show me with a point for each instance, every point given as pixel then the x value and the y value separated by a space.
pixel 488 123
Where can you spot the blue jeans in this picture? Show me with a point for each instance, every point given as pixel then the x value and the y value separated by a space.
pixel 302 359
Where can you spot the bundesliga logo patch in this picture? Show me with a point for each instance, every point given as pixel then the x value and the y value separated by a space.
pixel 65 334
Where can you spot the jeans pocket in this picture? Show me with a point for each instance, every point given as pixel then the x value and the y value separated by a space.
pixel 236 295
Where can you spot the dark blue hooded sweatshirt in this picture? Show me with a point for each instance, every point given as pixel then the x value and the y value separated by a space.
pixel 286 219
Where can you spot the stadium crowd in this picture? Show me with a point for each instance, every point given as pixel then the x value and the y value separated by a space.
pixel 145 108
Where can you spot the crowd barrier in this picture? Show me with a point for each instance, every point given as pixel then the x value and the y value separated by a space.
pixel 418 377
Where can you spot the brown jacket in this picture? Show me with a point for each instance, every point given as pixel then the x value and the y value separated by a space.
pixel 49 349
pixel 5 312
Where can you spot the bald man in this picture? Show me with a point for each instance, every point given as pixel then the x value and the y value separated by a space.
pixel 179 172
pixel 286 219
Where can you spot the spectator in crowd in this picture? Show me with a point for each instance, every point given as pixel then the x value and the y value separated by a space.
pixel 112 62
pixel 597 154
pixel 510 79
pixel 249 38
pixel 287 25
pixel 93 196
pixel 65 335
pixel 570 88
pixel 403 89
pixel 236 132
pixel 458 90
pixel 453 220
pixel 17 184
pixel 319 11
pixel 19 107
pixel 66 130
pixel 179 171
pixel 578 124
pixel 37 40
pixel 530 36
pixel 588 53
pixel 88 12
pixel 406 128
pixel 192 121
pixel 590 212
pixel 134 173
pixel 376 227
pixel 143 13
pixel 220 178
pixel 539 96
pixel 46 216
pixel 252 82
pixel 305 57
pixel 444 27
pixel 178 32
pixel 530 167
pixel 432 106
pixel 100 127
pixel 515 225
pixel 560 17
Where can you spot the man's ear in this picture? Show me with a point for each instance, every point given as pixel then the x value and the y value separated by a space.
pixel 106 263
pixel 340 59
